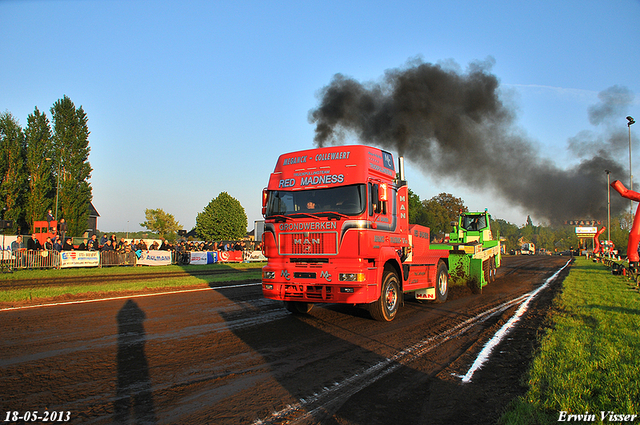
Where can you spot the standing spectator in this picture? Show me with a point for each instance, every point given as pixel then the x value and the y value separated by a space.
pixel 103 239
pixel 33 244
pixel 57 244
pixel 67 246
pixel 133 245
pixel 122 246
pixel 107 246
pixel 49 220
pixel 62 228
pixel 114 242
pixel 92 245
pixel 142 246
pixel 154 246
pixel 17 248
pixel 83 245
pixel 48 244
pixel 17 244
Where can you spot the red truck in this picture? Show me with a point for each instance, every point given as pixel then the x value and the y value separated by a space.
pixel 337 231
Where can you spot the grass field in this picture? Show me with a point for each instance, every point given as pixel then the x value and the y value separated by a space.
pixel 588 362
pixel 112 289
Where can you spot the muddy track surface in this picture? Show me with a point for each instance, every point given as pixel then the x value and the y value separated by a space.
pixel 100 279
pixel 225 355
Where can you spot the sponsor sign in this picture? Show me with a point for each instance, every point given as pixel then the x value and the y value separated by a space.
pixel 154 258
pixel 230 256
pixel 586 230
pixel 79 259
pixel 583 222
pixel 254 256
pixel 203 257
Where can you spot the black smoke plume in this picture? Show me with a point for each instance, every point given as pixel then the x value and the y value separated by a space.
pixel 454 125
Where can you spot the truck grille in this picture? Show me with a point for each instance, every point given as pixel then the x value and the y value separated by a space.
pixel 308 243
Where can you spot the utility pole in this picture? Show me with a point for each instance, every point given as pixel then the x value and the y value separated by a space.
pixel 630 121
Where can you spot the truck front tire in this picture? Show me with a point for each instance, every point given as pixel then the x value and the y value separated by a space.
pixel 297 307
pixel 442 283
pixel 385 308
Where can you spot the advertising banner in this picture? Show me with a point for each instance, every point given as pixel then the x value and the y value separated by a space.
pixel 154 258
pixel 212 257
pixel 203 257
pixel 79 259
pixel 230 256
pixel 198 257
pixel 254 256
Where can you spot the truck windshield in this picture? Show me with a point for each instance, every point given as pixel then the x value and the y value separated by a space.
pixel 474 222
pixel 346 200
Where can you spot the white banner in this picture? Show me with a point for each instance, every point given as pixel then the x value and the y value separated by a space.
pixel 79 259
pixel 254 256
pixel 199 257
pixel 154 258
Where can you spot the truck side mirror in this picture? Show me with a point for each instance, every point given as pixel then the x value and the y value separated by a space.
pixel 382 192
pixel 265 197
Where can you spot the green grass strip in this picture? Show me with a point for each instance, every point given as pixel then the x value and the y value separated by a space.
pixel 112 289
pixel 588 360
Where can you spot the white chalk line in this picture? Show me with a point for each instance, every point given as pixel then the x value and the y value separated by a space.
pixel 339 392
pixel 127 297
pixel 483 356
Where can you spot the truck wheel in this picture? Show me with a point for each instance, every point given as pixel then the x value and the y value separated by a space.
pixel 486 269
pixel 297 307
pixel 385 308
pixel 494 269
pixel 442 283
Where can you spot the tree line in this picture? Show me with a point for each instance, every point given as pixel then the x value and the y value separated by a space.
pixel 45 166
pixel 439 212
pixel 223 219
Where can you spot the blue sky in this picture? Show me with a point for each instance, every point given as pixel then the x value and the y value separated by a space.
pixel 188 99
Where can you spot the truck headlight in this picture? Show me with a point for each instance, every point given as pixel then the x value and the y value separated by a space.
pixel 351 277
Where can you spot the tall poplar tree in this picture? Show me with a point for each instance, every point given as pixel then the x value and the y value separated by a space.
pixel 40 166
pixel 13 178
pixel 71 145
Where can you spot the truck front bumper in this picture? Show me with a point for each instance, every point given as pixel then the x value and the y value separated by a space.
pixel 313 286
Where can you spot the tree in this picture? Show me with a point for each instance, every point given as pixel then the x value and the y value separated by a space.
pixel 162 223
pixel 441 210
pixel 71 145
pixel 503 229
pixel 417 212
pixel 436 217
pixel 223 219
pixel 13 177
pixel 40 167
pixel 451 204
pixel 620 233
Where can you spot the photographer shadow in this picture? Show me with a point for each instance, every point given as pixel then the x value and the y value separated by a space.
pixel 134 400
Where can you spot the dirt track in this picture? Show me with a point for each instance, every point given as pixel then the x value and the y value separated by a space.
pixel 225 355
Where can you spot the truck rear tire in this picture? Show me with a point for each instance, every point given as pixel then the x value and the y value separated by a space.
pixel 442 283
pixel 486 270
pixel 384 309
pixel 494 269
pixel 297 307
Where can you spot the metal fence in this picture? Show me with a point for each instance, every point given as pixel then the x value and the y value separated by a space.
pixel 113 258
pixel 51 259
pixel 27 259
